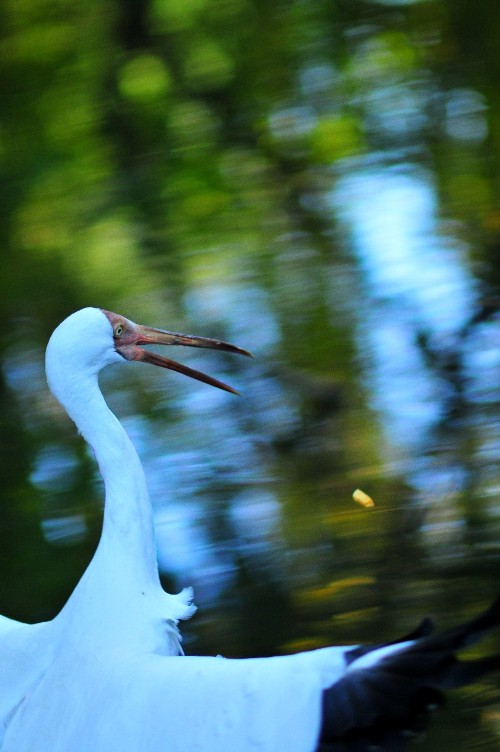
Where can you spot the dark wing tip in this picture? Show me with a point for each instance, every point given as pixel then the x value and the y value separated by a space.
pixel 383 705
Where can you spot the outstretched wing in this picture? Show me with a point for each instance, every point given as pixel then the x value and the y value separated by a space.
pixel 387 692
pixel 151 703
pixel 342 699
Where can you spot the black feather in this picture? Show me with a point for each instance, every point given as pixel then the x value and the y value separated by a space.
pixel 378 706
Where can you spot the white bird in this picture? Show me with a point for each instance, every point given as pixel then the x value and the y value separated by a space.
pixel 107 674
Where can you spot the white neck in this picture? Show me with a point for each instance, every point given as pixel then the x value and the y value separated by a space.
pixel 126 553
pixel 120 590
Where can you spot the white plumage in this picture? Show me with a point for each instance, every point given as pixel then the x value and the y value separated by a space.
pixel 108 674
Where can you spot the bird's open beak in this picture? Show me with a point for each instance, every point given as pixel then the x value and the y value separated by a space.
pixel 129 337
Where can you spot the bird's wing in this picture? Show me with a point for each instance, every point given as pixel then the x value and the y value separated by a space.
pixel 6 625
pixel 387 692
pixel 25 651
pixel 342 699
pixel 150 703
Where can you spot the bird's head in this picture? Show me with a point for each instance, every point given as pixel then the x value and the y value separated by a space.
pixel 93 338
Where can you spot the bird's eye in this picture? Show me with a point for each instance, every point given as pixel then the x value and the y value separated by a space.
pixel 118 330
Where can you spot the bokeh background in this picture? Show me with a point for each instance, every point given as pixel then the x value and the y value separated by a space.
pixel 319 183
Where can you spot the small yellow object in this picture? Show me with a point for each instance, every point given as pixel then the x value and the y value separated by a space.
pixel 363 499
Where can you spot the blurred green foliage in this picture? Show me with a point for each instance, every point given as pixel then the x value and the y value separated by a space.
pixel 173 160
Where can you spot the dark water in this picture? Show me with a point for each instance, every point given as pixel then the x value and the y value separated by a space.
pixel 317 183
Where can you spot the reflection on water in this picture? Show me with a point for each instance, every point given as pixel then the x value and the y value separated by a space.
pixel 307 181
pixel 415 282
pixel 252 495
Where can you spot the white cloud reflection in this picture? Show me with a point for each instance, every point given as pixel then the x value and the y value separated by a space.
pixel 415 279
